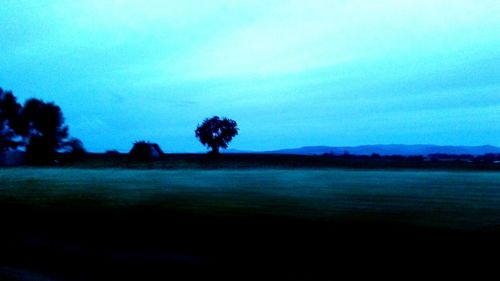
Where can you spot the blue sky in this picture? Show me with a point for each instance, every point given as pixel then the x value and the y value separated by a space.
pixel 291 73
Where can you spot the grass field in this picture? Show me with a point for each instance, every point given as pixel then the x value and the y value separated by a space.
pixel 468 200
pixel 283 221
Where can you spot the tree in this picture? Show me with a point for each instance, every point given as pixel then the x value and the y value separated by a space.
pixel 37 126
pixel 74 147
pixel 145 151
pixel 46 131
pixel 9 121
pixel 216 133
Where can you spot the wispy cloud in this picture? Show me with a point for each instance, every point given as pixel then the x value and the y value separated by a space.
pixel 315 72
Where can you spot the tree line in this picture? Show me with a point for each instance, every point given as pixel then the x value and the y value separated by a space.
pixel 214 133
pixel 39 129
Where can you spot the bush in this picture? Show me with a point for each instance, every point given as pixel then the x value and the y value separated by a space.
pixel 145 151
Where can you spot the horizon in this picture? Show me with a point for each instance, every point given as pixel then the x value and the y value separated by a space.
pixel 237 150
pixel 292 74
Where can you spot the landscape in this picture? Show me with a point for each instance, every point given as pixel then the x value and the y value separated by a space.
pixel 286 140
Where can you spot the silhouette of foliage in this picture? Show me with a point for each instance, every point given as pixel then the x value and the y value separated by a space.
pixel 112 152
pixel 46 130
pixel 37 126
pixel 145 151
pixel 9 121
pixel 75 148
pixel 216 133
pixel 39 151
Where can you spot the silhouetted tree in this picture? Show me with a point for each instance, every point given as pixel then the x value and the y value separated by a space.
pixel 216 133
pixel 46 132
pixel 74 147
pixel 145 151
pixel 9 121
pixel 37 126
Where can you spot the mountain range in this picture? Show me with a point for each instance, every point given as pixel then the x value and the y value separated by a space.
pixel 385 149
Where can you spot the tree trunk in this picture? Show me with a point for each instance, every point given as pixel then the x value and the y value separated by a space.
pixel 215 150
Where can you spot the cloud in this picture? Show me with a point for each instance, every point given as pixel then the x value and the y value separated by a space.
pixel 299 36
pixel 304 72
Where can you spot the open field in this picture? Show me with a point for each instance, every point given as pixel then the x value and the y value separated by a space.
pixel 465 200
pixel 79 224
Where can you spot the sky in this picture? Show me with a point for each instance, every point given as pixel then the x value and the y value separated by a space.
pixel 291 73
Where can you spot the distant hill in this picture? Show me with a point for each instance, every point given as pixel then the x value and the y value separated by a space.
pixel 231 150
pixel 390 149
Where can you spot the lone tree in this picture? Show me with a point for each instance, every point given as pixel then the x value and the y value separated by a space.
pixel 215 133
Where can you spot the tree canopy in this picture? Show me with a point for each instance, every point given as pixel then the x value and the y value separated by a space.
pixel 216 133
pixel 10 125
pixel 145 151
pixel 37 126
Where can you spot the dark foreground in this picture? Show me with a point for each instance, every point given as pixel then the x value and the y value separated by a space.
pixel 148 244
pixel 257 224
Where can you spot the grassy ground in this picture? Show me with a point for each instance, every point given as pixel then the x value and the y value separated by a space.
pixel 84 224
